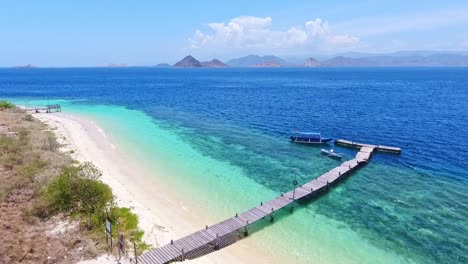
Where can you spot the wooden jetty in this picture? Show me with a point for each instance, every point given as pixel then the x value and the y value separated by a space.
pixel 352 144
pixel 227 232
pixel 47 109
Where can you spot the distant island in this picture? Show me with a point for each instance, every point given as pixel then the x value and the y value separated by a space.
pixel 191 62
pixel 312 62
pixel 27 66
pixel 163 65
pixel 397 59
pixel 188 62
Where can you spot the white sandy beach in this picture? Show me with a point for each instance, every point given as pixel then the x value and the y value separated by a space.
pixel 163 215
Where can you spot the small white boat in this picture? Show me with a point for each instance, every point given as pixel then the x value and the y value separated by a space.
pixel 332 154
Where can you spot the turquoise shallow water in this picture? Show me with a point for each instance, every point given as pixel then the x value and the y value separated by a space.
pixel 223 189
pixel 222 135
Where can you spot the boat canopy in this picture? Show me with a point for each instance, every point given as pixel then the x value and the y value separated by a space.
pixel 307 134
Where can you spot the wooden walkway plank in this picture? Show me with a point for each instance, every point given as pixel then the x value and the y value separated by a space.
pixel 144 259
pixel 315 185
pixel 173 249
pixel 210 232
pixel 185 244
pixel 157 256
pixel 266 210
pixel 240 221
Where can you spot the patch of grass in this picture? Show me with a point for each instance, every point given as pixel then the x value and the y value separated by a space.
pixel 30 169
pixel 10 152
pixel 9 145
pixel 4 190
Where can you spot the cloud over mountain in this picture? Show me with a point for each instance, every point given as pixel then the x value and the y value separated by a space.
pixel 256 32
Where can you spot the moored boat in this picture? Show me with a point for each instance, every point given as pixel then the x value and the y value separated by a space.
pixel 309 138
pixel 332 154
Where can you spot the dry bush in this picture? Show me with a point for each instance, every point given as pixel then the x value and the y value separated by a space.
pixel 28 117
pixel 50 143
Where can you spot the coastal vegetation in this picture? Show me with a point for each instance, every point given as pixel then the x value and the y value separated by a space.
pixel 42 188
pixel 6 105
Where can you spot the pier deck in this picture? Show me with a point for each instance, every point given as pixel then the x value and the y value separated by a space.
pixel 46 109
pixel 226 232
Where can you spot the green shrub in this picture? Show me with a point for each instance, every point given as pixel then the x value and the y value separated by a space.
pixel 79 190
pixel 6 105
pixel 128 226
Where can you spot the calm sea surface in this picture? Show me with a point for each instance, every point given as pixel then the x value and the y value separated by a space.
pixel 227 130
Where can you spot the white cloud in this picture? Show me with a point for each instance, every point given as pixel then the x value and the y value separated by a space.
pixel 255 32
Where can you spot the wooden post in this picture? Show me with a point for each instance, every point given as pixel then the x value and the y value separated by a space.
pixel 294 184
pixel 135 252
pixel 246 232
pixel 118 248
pixel 294 191
pixel 118 237
pixel 216 247
pixel 272 217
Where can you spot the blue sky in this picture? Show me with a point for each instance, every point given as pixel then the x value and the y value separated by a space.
pixel 92 33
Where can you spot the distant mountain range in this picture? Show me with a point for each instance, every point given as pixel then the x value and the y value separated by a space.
pixel 435 60
pixel 397 59
pixel 258 61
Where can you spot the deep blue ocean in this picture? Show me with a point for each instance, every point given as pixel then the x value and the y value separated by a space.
pixel 414 205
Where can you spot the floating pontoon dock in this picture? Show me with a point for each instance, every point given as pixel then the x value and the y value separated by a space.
pixel 352 144
pixel 229 231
